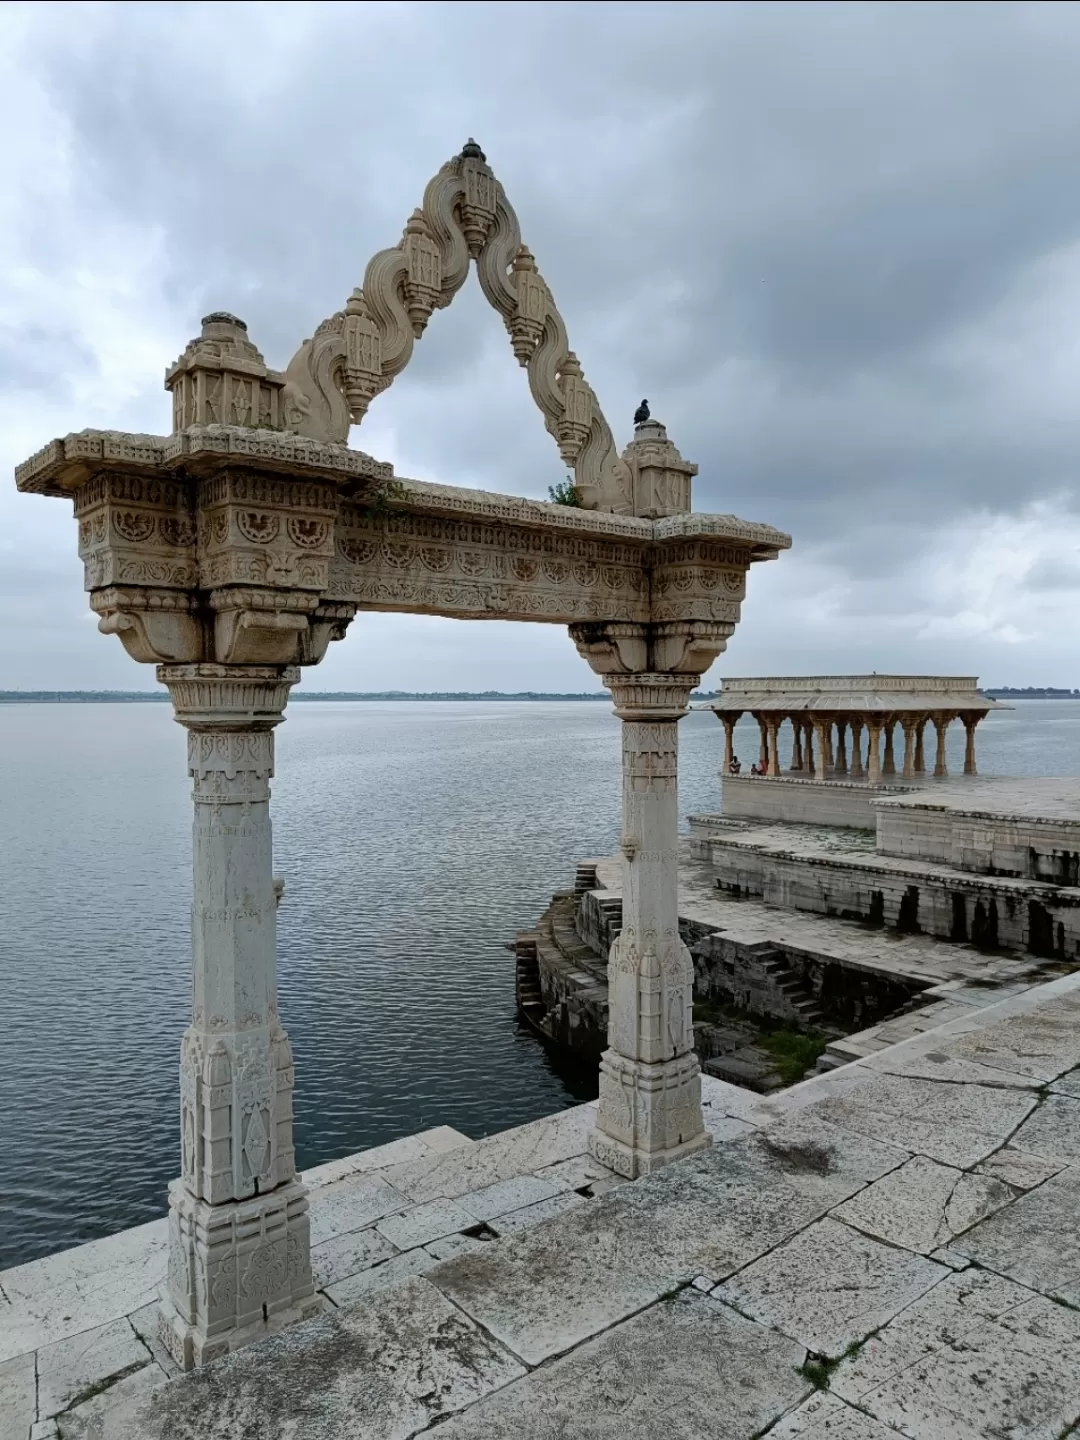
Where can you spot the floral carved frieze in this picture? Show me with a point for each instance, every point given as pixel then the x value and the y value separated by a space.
pixel 474 570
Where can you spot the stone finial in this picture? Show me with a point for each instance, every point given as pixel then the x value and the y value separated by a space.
pixel 471 151
pixel 661 477
pixel 222 379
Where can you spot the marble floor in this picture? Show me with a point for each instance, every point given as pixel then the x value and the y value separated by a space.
pixel 887 1250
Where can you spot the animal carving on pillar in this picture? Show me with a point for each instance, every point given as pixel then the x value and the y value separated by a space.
pixel 356 354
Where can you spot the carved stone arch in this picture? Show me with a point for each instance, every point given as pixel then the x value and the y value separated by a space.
pixel 357 353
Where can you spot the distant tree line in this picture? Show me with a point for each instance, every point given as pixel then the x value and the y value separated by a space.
pixel 1031 692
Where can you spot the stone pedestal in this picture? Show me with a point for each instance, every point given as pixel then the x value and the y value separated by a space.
pixel 239 1253
pixel 649 1110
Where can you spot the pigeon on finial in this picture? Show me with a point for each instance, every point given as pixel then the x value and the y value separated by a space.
pixel 641 414
pixel 471 151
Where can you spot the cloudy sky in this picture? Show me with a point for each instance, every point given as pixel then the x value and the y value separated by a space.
pixel 838 246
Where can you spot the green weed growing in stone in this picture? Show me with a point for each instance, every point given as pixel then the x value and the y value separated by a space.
pixel 565 493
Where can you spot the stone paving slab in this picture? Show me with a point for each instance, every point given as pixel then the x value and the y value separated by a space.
pixel 956 1124
pixel 525 1219
pixel 345 1255
pixel 18 1396
pixel 424 1223
pixel 78 1289
pixel 381 1371
pixel 978 1357
pixel 829 1286
pixel 826 1417
pixel 923 1205
pixel 709 1215
pixel 1053 1130
pixel 684 1369
pixel 68 1368
pixel 1036 1241
pixel 352 1204
pixel 498 1157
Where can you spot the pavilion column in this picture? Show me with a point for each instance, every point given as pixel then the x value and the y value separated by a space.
pixel 774 749
pixel 970 721
pixel 941 725
pixel 763 731
pixel 820 728
pixel 810 765
pixel 889 767
pixel 239 1247
pixel 796 745
pixel 729 742
pixel 920 757
pixel 830 760
pixel 909 748
pixel 856 749
pixel 873 752
pixel 841 752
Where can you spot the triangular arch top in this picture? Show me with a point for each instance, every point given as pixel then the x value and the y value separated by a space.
pixel 357 353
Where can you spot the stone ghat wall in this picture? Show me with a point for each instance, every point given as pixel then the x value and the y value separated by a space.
pixel 779 983
pixel 989 915
pixel 984 844
pixel 802 802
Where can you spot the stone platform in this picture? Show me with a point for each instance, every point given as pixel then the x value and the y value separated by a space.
pixel 829 871
pixel 888 1250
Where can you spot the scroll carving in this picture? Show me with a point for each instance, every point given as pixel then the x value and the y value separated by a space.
pixel 356 354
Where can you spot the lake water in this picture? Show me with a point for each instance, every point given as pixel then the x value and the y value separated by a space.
pixel 414 838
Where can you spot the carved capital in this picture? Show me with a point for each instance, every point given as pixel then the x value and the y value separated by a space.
pixel 223 697
pixel 651 697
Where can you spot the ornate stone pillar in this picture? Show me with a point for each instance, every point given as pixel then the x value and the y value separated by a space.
pixel 970 721
pixel 920 757
pixel 873 752
pixel 909 747
pixel 649 1108
pixel 820 728
pixel 841 751
pixel 239 1250
pixel 774 749
pixel 796 745
pixel 810 767
pixel 941 725
pixel 889 767
pixel 856 750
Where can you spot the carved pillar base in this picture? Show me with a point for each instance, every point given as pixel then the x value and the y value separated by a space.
pixel 648 1114
pixel 237 1272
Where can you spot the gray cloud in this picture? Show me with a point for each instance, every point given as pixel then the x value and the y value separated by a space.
pixel 813 234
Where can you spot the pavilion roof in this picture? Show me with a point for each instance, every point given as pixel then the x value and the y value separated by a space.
pixel 853 694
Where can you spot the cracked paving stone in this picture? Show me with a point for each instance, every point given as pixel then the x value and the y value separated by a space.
pixel 335 1260
pixel 380 1371
pixel 826 1417
pixel 830 1286
pixel 956 1124
pixel 96 1417
pixel 1044 1044
pixel 978 1356
pixel 1019 1168
pixel 70 1367
pixel 1053 1131
pixel 923 1205
pixel 1036 1240
pixel 684 1369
